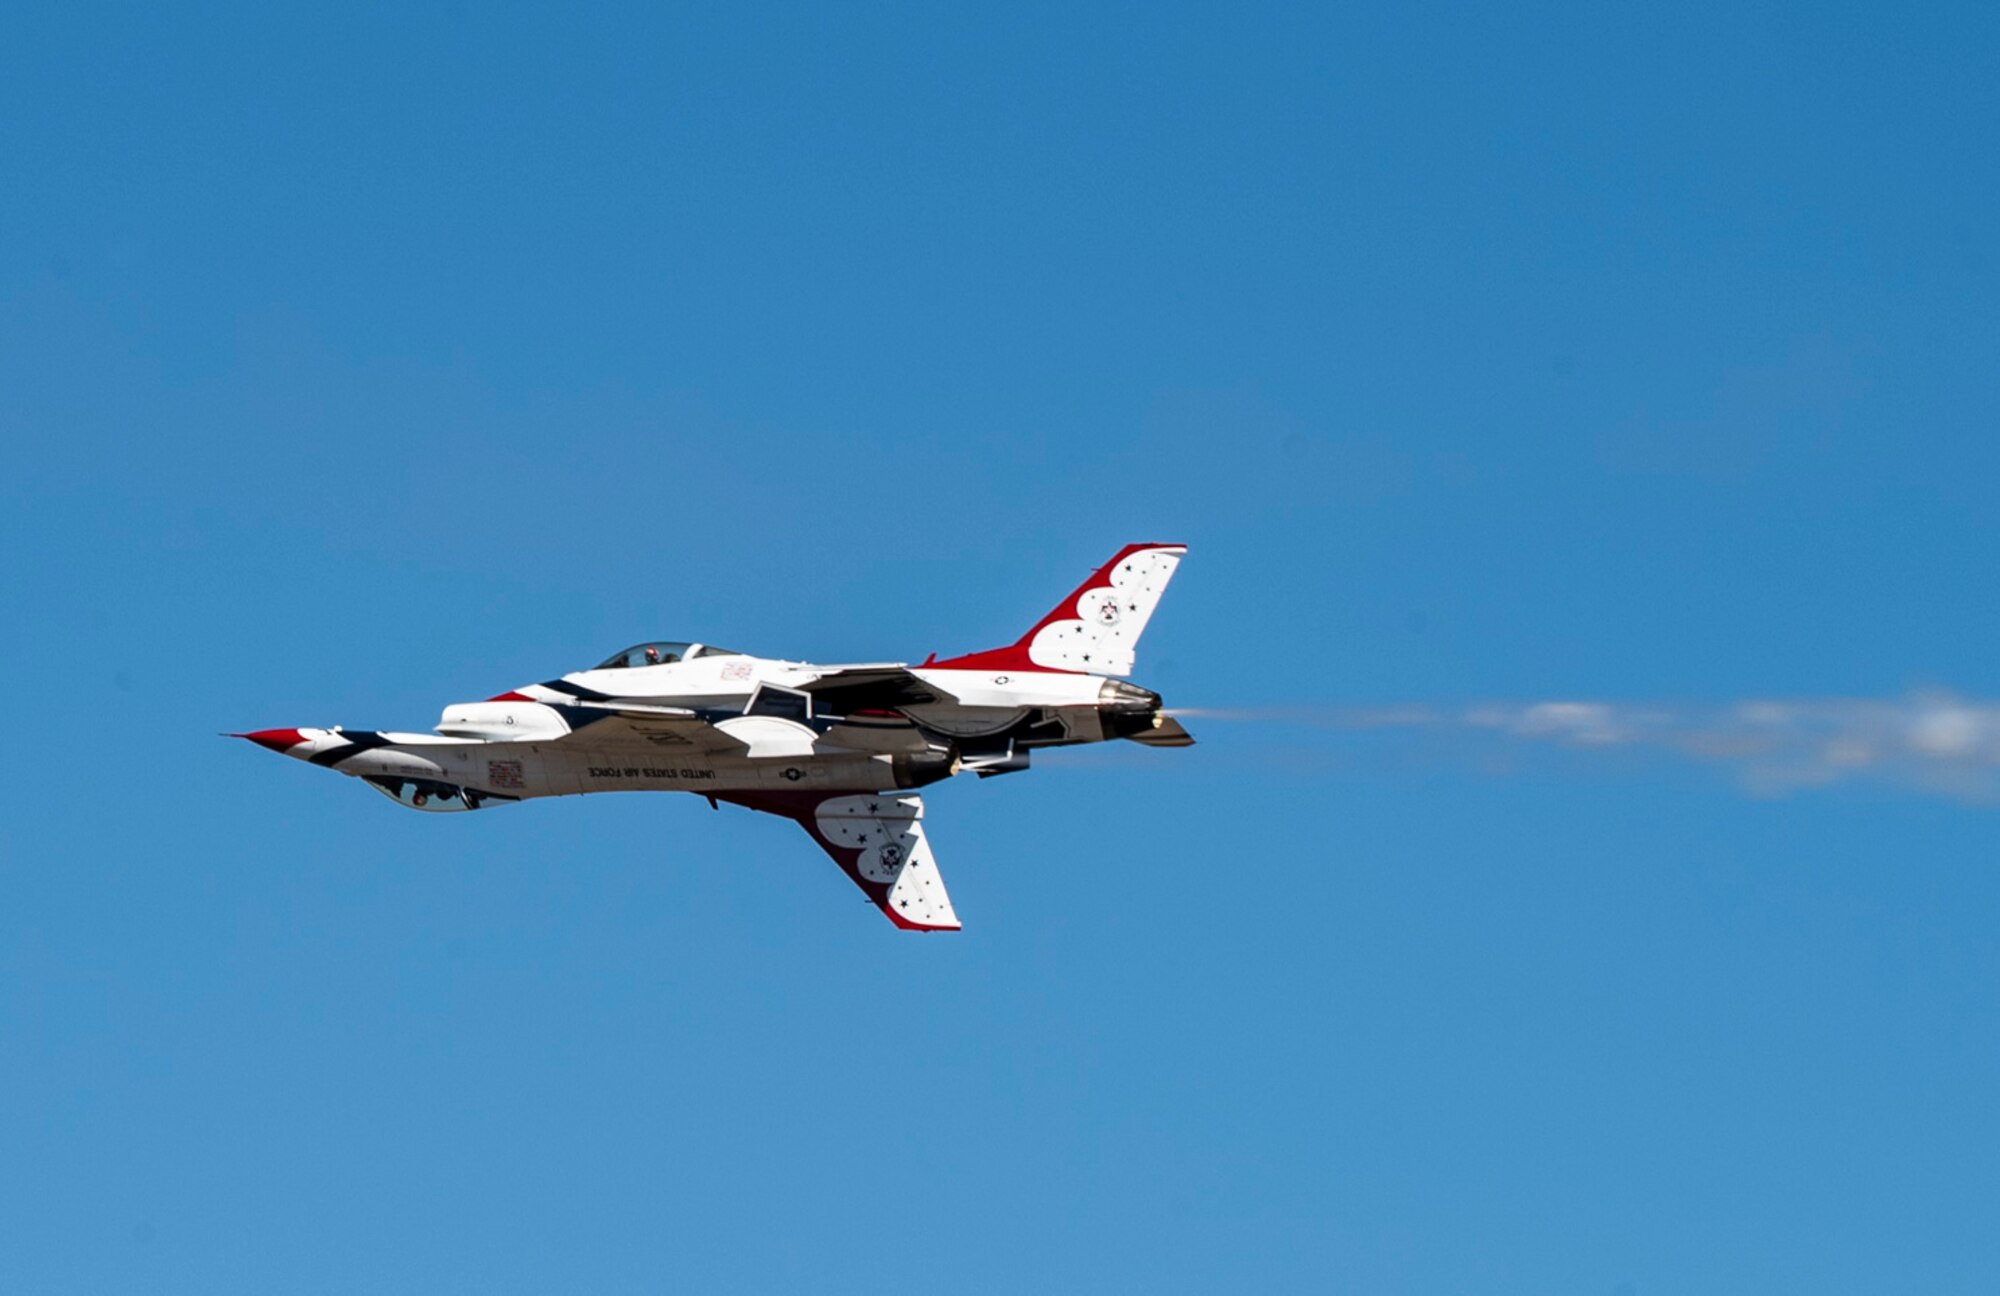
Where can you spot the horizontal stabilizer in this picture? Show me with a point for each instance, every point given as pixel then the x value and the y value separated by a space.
pixel 1167 732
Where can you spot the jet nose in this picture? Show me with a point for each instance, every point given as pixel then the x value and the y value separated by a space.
pixel 278 740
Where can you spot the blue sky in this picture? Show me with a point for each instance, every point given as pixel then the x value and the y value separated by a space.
pixel 357 361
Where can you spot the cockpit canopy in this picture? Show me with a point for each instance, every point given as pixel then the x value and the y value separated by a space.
pixel 661 653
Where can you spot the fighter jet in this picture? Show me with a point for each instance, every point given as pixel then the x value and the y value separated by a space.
pixel 837 749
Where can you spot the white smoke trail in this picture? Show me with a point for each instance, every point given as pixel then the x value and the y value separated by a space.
pixel 1930 742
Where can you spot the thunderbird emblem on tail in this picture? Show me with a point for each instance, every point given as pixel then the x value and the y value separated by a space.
pixel 836 748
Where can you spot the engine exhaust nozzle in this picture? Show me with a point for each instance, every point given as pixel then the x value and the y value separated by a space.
pixel 1127 699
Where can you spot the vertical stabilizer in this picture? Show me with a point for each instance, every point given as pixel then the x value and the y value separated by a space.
pixel 1096 629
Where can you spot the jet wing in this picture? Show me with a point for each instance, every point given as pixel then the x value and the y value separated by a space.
pixel 868 688
pixel 653 726
pixel 878 840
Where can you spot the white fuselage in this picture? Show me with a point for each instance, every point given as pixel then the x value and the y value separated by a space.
pixel 730 723
pixel 836 749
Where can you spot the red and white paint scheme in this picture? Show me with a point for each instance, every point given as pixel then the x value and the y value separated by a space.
pixel 838 749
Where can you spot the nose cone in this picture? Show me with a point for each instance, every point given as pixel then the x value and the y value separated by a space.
pixel 278 740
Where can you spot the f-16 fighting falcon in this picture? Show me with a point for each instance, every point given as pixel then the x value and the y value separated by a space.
pixel 838 749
